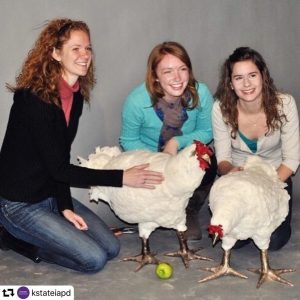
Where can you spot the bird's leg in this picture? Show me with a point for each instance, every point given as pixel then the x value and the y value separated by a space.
pixel 145 258
pixel 184 252
pixel 222 270
pixel 268 274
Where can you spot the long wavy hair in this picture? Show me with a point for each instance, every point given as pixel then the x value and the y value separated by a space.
pixel 153 86
pixel 228 98
pixel 41 73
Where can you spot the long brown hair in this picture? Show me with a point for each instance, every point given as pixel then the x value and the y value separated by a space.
pixel 41 73
pixel 228 98
pixel 153 86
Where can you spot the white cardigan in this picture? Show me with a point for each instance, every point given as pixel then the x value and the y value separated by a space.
pixel 279 147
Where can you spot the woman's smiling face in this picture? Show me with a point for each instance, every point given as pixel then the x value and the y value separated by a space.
pixel 173 76
pixel 75 56
pixel 246 81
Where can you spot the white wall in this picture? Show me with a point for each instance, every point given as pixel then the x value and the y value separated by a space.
pixel 124 32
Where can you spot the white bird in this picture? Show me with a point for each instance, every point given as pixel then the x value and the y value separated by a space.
pixel 248 204
pixel 162 207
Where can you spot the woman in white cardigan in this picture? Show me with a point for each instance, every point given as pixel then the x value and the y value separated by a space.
pixel 251 117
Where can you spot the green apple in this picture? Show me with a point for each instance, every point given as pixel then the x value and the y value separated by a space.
pixel 164 270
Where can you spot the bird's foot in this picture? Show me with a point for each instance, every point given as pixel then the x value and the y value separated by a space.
pixel 142 259
pixel 271 275
pixel 187 255
pixel 219 271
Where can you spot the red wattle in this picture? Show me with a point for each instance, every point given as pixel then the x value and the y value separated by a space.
pixel 212 229
pixel 202 149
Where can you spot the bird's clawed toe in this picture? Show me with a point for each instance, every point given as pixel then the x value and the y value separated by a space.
pixel 271 275
pixel 188 255
pixel 223 269
pixel 219 271
pixel 143 260
pixel 185 253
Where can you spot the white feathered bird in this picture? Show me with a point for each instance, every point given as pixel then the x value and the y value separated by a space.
pixel 162 207
pixel 248 204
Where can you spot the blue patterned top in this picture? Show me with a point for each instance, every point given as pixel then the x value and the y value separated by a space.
pixel 141 126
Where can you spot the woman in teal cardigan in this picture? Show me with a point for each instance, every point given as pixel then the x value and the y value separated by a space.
pixel 167 113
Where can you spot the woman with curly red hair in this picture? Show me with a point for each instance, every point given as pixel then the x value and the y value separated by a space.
pixel 37 211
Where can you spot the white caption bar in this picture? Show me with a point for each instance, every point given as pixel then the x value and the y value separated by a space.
pixel 36 292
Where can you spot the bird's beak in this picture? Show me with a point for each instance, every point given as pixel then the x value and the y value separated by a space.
pixel 207 158
pixel 215 238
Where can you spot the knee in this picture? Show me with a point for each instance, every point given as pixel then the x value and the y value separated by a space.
pixel 279 239
pixel 113 249
pixel 95 262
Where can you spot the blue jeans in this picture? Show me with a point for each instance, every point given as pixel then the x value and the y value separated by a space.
pixel 56 239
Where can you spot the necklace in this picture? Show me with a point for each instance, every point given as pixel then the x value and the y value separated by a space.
pixel 254 122
pixel 250 116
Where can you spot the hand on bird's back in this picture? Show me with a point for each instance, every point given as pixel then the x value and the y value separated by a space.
pixel 139 177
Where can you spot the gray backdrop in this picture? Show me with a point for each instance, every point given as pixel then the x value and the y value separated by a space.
pixel 124 32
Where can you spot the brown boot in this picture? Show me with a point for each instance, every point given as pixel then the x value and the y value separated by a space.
pixel 193 231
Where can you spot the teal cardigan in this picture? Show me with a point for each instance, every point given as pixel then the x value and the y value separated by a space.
pixel 140 128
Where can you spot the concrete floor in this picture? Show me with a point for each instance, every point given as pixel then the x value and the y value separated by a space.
pixel 119 281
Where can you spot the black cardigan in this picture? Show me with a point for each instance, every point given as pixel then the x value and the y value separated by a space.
pixel 35 154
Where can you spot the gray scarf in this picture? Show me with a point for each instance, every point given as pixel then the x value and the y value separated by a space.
pixel 173 115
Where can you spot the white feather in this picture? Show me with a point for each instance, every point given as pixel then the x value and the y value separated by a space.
pixel 249 204
pixel 165 205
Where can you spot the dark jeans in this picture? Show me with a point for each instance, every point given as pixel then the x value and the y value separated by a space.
pixel 200 194
pixel 56 239
pixel 282 234
pixel 210 173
